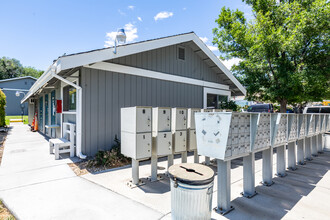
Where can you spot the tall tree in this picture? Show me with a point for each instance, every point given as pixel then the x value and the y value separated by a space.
pixel 31 71
pixel 284 49
pixel 10 68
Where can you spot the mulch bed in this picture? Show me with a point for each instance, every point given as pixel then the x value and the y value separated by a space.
pixel 3 135
pixel 5 213
pixel 84 167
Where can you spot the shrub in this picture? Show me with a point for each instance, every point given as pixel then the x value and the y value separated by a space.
pixel 229 105
pixel 110 158
pixel 2 109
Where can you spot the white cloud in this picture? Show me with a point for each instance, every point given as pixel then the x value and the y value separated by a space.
pixel 139 18
pixel 163 15
pixel 212 48
pixel 184 9
pixel 131 7
pixel 231 62
pixel 130 31
pixel 121 13
pixel 204 39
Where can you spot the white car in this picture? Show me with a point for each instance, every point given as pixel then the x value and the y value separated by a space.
pixel 317 109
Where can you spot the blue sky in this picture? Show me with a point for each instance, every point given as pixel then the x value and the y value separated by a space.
pixel 37 32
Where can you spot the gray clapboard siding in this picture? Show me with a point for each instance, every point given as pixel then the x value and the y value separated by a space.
pixel 105 92
pixel 165 60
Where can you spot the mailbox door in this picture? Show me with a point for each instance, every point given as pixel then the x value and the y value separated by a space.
pixel 164 143
pixel 143 119
pixel 180 139
pixel 143 146
pixel 181 119
pixel 164 119
pixel 192 145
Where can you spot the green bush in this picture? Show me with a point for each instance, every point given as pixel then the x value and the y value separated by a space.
pixel 109 158
pixel 229 105
pixel 2 109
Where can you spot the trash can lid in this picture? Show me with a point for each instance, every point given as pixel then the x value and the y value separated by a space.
pixel 191 173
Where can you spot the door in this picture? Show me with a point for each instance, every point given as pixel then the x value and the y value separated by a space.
pixel 41 113
pixel 46 112
pixel 52 112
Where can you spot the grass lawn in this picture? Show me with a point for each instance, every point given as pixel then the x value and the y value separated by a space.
pixel 4 213
pixel 25 118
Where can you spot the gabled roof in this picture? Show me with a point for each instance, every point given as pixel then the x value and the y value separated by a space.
pixel 71 61
pixel 18 78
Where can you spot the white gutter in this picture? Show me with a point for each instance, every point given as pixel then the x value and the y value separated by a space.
pixel 78 115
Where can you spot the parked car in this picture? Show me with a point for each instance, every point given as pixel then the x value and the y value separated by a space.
pixel 317 109
pixel 261 108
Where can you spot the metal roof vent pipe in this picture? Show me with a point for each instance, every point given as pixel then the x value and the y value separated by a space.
pixel 120 39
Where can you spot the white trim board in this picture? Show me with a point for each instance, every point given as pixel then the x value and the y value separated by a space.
pixel 155 75
pixel 87 58
pixel 68 62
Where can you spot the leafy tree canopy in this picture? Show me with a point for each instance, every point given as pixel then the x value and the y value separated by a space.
pixel 11 68
pixel 284 49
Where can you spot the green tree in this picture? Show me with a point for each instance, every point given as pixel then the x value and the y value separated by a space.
pixel 31 71
pixel 10 68
pixel 2 109
pixel 284 49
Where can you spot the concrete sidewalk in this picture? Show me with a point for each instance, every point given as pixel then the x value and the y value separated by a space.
pixel 33 185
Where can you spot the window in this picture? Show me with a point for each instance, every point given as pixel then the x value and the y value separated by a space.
pixel 69 98
pixel 214 101
pixel 181 53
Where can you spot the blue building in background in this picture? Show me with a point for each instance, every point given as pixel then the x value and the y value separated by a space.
pixel 10 88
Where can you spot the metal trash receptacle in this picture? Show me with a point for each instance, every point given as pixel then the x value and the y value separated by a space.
pixel 327 141
pixel 191 191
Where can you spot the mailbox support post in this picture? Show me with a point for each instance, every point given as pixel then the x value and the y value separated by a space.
pixel 267 167
pixel 292 155
pixel 196 157
pixel 249 176
pixel 184 157
pixel 223 197
pixel 135 171
pixel 207 160
pixel 308 153
pixel 154 161
pixel 300 152
pixel 280 156
pixel 314 145
pixel 170 160
pixel 320 144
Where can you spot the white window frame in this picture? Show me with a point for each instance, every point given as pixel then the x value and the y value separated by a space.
pixel 215 92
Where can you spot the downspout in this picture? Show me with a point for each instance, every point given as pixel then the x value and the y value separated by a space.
pixel 78 115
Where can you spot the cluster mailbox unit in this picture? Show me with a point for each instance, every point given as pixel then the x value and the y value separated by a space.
pixel 224 136
pixel 136 136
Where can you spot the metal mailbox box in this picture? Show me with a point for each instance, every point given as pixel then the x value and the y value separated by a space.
pixel 191 140
pixel 279 129
pixel 180 141
pixel 163 143
pixel 161 119
pixel 179 119
pixel 292 128
pixel 136 119
pixel 191 117
pixel 260 131
pixel 136 146
pixel 301 126
pixel 223 135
